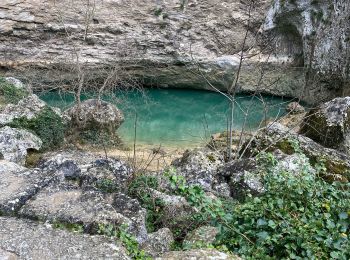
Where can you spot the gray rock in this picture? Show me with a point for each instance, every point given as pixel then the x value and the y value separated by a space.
pixel 6 255
pixel 243 178
pixel 14 144
pixel 176 210
pixel 132 209
pixel 95 114
pixel 29 107
pixel 201 237
pixel 158 242
pixel 318 31
pixel 152 49
pixel 329 124
pixel 198 254
pixel 18 185
pixel 199 167
pixel 29 240
pixel 68 204
pixel 15 82
pixel 89 169
pixel 278 137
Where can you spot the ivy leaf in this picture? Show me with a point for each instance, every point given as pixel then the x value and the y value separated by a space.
pixel 262 235
pixel 343 215
pixel 261 222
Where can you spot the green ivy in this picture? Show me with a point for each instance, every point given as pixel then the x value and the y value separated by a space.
pixel 47 125
pixel 300 216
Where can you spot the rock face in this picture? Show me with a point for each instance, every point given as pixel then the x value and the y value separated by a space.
pixel 316 32
pixel 329 124
pixel 160 43
pixel 29 240
pixel 14 144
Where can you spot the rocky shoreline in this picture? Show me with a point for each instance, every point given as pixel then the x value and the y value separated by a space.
pixel 84 197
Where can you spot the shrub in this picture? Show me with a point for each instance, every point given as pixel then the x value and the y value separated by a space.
pixel 11 94
pixel 47 125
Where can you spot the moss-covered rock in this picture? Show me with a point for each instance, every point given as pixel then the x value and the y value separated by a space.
pixel 94 122
pixel 47 125
pixel 329 124
pixel 10 93
pixel 276 136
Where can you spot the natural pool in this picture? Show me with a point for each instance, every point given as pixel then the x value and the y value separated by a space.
pixel 177 117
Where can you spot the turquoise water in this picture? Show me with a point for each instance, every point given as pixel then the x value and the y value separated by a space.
pixel 180 117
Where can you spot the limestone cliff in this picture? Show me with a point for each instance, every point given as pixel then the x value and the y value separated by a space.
pixel 317 32
pixel 170 43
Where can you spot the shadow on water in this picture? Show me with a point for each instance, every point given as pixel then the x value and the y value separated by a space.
pixel 178 117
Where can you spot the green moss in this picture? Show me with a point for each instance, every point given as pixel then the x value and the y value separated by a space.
pixel 47 125
pixel 106 186
pixel 9 93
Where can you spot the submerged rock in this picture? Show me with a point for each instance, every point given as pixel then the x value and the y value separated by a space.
pixel 30 240
pixel 329 124
pixel 14 144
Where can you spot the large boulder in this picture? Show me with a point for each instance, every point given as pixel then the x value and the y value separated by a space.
pixel 94 114
pixel 278 137
pixel 107 175
pixel 14 144
pixel 329 124
pixel 199 167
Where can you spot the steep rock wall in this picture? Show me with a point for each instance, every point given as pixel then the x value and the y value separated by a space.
pixel 166 43
pixel 316 32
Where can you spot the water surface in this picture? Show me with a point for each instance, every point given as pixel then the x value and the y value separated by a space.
pixel 178 117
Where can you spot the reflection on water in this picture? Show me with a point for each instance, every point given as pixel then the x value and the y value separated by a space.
pixel 182 117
